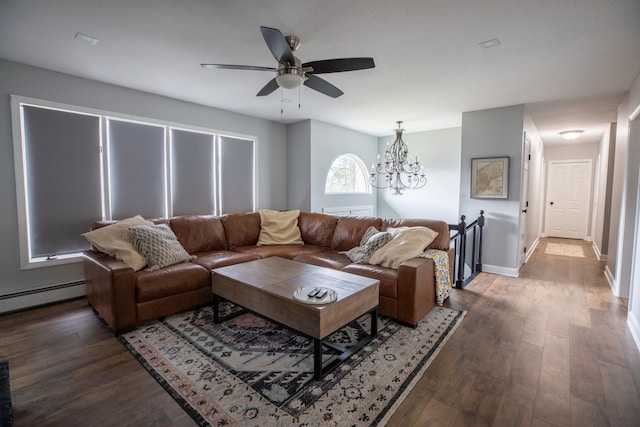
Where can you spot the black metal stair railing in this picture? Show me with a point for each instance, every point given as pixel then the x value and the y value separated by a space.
pixel 464 233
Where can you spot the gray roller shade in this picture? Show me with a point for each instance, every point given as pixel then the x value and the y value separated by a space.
pixel 136 170
pixel 236 174
pixel 192 184
pixel 62 152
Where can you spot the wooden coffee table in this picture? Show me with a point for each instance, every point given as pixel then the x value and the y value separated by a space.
pixel 266 287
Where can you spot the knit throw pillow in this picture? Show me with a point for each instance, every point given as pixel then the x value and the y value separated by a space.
pixel 158 245
pixel 362 254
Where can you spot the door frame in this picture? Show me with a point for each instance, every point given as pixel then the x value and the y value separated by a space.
pixel 524 199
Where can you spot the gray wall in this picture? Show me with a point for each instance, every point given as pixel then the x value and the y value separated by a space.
pixel 38 83
pixel 495 133
pixel 299 165
pixel 623 266
pixel 605 187
pixel 439 153
pixel 625 197
pixel 328 142
pixel 535 195
pixel 313 146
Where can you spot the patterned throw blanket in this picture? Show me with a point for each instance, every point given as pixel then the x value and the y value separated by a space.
pixel 443 282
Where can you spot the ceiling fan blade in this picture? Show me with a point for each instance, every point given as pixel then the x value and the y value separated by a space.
pixel 322 86
pixel 339 65
pixel 278 45
pixel 268 88
pixel 238 67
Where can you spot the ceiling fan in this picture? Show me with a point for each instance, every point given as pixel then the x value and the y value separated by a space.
pixel 291 72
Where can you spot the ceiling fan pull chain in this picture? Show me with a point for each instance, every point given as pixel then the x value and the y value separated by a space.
pixel 299 96
pixel 281 102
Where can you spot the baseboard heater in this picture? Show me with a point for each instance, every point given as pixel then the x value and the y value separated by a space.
pixel 32 298
pixel 41 290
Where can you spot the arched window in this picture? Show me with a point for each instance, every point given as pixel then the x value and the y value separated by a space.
pixel 348 174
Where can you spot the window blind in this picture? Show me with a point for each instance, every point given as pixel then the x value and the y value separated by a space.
pixel 192 184
pixel 236 174
pixel 137 170
pixel 62 151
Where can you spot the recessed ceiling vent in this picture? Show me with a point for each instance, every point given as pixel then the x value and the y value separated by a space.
pixel 87 39
pixel 490 43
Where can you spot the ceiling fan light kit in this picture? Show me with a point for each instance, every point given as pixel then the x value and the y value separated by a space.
pixel 291 72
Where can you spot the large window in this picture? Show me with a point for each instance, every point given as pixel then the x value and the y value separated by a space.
pixel 75 166
pixel 348 174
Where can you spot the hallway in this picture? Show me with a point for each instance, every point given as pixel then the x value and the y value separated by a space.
pixel 550 348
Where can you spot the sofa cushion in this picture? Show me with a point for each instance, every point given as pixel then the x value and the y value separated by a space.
pixel 316 228
pixel 349 231
pixel 388 277
pixel 283 251
pixel 158 244
pixel 112 240
pixel 407 243
pixel 169 281
pixel 199 233
pixel 279 228
pixel 329 259
pixel 216 259
pixel 241 229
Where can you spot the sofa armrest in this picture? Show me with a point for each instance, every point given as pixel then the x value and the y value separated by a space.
pixel 416 290
pixel 110 288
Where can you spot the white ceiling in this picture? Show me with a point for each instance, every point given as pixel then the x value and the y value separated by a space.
pixel 571 61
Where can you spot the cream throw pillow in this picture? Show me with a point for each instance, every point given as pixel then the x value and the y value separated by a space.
pixel 279 228
pixel 112 240
pixel 407 243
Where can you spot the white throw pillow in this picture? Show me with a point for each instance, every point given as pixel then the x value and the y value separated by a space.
pixel 112 240
pixel 407 243
pixel 279 228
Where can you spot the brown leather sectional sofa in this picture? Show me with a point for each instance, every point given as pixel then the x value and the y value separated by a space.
pixel 125 298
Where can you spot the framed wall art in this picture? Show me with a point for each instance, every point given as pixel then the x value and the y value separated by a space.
pixel 490 178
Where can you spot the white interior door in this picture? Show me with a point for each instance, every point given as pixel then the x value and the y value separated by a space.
pixel 568 194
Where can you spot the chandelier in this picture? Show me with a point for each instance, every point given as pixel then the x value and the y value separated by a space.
pixel 399 172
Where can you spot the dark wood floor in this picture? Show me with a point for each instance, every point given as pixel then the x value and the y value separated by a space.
pixel 550 348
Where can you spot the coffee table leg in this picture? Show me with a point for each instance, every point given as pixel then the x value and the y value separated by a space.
pixel 374 322
pixel 317 359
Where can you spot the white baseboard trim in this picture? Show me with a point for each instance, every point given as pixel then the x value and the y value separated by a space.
pixel 38 297
pixel 532 249
pixel 503 271
pixel 599 255
pixel 612 281
pixel 634 326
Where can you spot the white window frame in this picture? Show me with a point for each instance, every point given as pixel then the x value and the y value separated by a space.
pixel 361 168
pixel 17 101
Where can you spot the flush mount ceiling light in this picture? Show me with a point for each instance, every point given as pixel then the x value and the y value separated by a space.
pixel 571 134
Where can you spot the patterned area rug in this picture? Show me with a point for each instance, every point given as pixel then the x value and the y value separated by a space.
pixel 247 371
pixel 564 250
